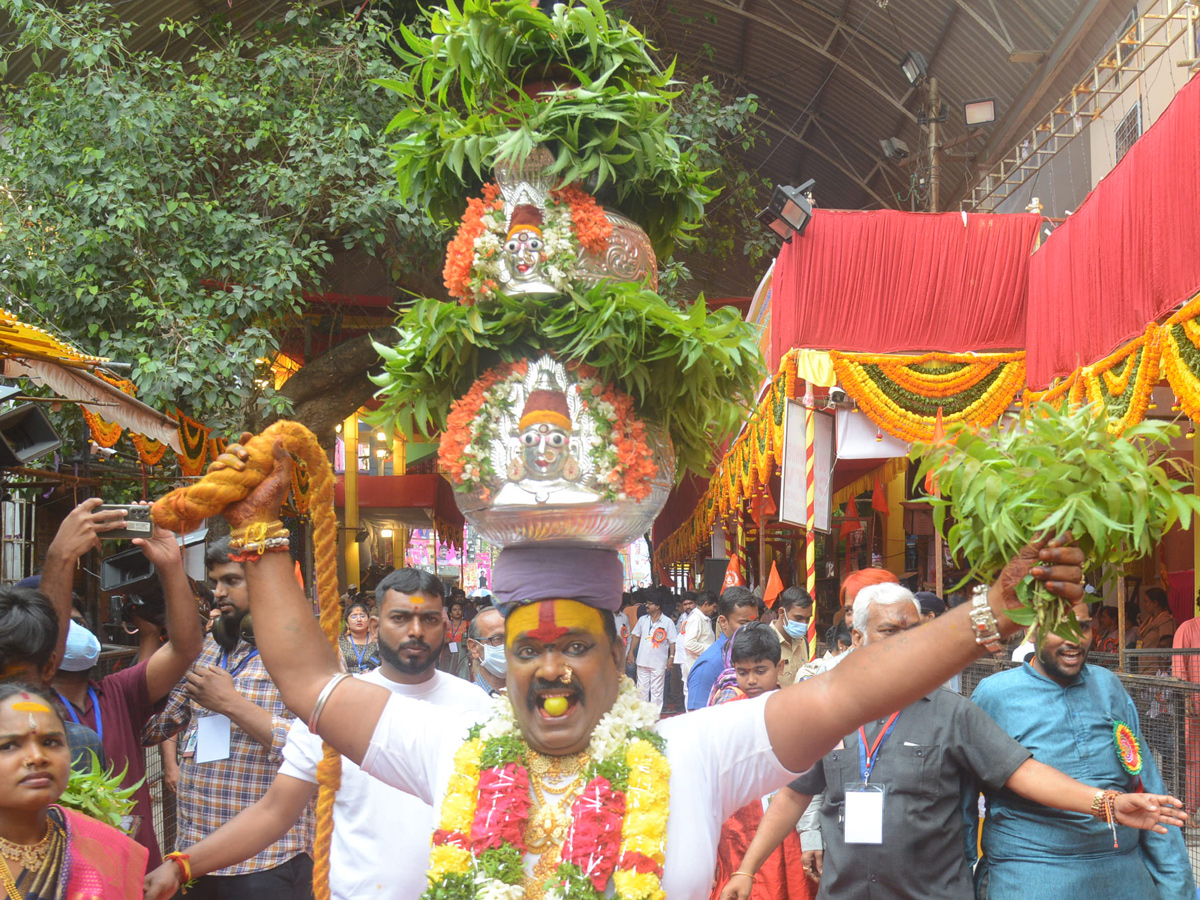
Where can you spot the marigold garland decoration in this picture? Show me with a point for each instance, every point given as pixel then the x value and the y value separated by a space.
pixel 461 251
pixel 618 820
pixel 149 451
pixel 902 394
pixel 106 434
pixel 1129 749
pixel 193 444
pixel 1180 347
pixel 1120 385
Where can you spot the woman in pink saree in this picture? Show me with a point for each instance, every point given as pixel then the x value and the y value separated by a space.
pixel 47 852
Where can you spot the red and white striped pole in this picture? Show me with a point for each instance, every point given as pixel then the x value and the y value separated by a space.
pixel 810 538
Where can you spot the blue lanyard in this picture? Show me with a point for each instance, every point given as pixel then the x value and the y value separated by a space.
pixel 240 666
pixel 357 652
pixel 868 758
pixel 95 711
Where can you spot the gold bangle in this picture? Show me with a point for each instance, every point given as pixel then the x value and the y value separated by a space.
pixel 747 874
pixel 257 537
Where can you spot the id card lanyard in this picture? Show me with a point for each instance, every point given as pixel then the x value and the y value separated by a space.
pixel 864 801
pixel 238 668
pixel 95 711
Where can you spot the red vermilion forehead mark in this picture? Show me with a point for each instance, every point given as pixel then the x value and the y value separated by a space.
pixel 548 629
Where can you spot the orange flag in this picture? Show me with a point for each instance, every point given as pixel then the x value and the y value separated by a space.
pixel 878 500
pixel 733 573
pixel 939 437
pixel 774 587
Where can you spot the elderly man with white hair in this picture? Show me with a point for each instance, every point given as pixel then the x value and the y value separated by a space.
pixel 890 818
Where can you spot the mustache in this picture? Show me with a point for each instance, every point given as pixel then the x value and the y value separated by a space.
pixel 541 684
pixel 412 645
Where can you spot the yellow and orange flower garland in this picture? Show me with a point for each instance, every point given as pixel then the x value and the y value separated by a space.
pixel 574 223
pixel 618 820
pixel 624 467
pixel 1119 386
pixel 902 394
pixel 1180 348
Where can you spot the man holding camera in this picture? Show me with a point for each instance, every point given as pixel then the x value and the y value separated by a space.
pixel 117 706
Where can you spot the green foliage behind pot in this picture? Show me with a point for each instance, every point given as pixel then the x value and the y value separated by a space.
pixel 600 103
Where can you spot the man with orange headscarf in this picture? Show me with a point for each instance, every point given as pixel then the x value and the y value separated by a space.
pixel 855 582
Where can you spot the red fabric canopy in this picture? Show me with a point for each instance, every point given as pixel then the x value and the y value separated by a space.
pixel 1127 256
pixel 894 282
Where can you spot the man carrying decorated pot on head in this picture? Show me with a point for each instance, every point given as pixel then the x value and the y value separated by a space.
pixel 570 784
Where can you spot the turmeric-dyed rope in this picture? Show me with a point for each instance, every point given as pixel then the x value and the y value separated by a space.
pixel 184 509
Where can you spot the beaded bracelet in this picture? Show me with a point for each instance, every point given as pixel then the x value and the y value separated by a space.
pixel 1104 806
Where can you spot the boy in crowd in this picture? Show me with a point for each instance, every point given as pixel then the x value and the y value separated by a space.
pixel 757 661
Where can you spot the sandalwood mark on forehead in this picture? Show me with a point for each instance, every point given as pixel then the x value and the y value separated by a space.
pixel 31 707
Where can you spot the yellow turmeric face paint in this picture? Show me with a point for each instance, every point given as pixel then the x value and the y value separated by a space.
pixel 30 707
pixel 549 620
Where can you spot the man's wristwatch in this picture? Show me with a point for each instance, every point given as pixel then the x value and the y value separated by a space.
pixel 983 621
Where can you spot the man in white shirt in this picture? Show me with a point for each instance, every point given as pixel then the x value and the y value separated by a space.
pixel 653 648
pixel 370 818
pixel 564 691
pixel 697 635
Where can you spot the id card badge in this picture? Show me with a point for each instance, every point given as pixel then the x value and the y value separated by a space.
pixel 188 748
pixel 864 813
pixel 453 646
pixel 212 738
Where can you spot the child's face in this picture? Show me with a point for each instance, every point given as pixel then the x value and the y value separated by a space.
pixel 757 676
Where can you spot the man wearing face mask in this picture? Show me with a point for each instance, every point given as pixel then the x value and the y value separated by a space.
pixel 370 819
pixel 485 643
pixel 119 705
pixel 794 612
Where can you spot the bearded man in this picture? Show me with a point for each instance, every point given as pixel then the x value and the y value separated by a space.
pixel 574 788
pixel 229 762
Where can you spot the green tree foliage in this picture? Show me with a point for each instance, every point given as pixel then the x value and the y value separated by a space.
pixel 169 208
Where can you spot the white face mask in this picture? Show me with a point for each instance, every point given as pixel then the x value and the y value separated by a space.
pixel 82 649
pixel 795 629
pixel 495 661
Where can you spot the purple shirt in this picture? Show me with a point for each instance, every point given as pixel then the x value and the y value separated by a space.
pixel 125 708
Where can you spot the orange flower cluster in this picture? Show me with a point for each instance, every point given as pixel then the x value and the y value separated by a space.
pixel 463 414
pixel 460 253
pixel 633 452
pixel 591 225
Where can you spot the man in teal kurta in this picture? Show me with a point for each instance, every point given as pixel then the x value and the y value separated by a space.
pixel 1064 711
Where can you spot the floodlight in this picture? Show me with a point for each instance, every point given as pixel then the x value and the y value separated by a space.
pixel 979 112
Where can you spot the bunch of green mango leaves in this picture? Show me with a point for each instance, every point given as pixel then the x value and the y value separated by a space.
pixel 98 793
pixel 1056 470
pixel 693 372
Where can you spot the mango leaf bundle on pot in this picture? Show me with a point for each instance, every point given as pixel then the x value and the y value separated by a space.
pixel 1058 470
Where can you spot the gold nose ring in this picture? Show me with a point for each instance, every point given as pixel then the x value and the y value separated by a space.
pixel 567 675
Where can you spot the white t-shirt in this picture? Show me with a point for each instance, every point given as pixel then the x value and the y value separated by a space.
pixel 656 640
pixel 381 835
pixel 720 758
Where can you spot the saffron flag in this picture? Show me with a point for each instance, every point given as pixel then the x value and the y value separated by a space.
pixel 939 435
pixel 878 500
pixel 774 587
pixel 733 573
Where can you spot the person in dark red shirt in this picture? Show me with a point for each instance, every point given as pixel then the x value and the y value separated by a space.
pixel 118 705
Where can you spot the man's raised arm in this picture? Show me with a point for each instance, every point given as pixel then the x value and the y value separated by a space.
pixel 299 658
pixel 805 720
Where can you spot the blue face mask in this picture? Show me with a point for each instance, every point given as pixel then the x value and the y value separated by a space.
pixel 795 629
pixel 82 649
pixel 495 661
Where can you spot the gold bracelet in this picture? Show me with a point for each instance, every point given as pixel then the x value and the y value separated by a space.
pixel 747 874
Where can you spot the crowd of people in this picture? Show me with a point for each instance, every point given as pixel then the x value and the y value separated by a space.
pixel 792 800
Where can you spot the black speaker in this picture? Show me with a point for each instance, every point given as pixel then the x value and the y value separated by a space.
pixel 714 575
pixel 128 571
pixel 26 434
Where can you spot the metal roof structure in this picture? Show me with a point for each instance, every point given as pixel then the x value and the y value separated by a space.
pixel 828 77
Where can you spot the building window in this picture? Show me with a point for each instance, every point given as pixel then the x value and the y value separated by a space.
pixel 1129 129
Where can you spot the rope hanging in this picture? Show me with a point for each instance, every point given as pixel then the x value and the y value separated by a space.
pixel 184 509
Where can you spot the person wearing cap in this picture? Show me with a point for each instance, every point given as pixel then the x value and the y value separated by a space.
pixel 119 705
pixel 890 820
pixel 931 605
pixel 566 706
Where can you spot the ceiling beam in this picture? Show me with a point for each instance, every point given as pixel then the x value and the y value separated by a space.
pixel 1087 16
pixel 985 25
pixel 837 164
pixel 815 48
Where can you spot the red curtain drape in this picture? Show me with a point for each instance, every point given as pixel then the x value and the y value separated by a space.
pixel 889 282
pixel 1127 256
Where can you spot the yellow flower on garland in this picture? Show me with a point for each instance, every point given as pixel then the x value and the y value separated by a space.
pixel 903 394
pixel 632 885
pixel 1120 385
pixel 458 807
pixel 1180 346
pixel 646 801
pixel 447 859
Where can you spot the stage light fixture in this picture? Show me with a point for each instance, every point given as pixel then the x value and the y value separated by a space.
pixel 979 112
pixel 914 67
